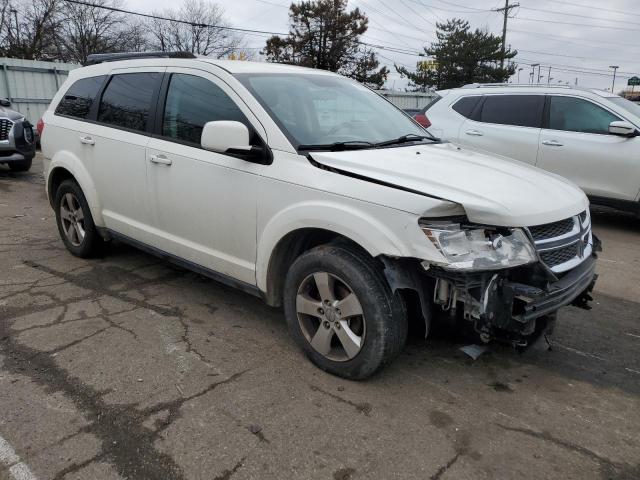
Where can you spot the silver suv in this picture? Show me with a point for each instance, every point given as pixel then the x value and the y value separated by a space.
pixel 17 139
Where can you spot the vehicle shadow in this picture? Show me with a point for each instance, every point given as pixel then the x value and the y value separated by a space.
pixel 605 217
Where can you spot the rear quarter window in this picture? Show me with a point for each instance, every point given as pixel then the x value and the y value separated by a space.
pixel 79 98
pixel 466 105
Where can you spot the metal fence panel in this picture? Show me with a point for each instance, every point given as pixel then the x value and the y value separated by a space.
pixel 31 84
pixel 407 99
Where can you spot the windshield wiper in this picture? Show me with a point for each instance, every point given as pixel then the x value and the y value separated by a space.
pixel 338 146
pixel 411 137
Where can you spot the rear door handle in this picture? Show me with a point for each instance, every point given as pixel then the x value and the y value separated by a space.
pixel 474 133
pixel 87 140
pixel 552 143
pixel 160 159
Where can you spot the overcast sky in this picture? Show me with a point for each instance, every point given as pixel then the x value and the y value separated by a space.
pixel 577 38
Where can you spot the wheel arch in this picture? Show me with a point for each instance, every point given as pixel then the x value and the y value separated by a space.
pixel 303 227
pixel 63 167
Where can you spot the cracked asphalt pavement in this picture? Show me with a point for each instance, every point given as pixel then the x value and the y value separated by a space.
pixel 127 367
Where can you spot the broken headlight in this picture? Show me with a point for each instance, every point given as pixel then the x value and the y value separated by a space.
pixel 474 247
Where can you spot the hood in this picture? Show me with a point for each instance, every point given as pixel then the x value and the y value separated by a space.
pixel 10 114
pixel 493 190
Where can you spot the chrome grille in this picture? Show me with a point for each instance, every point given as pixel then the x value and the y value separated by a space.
pixel 560 255
pixel 551 230
pixel 5 128
pixel 564 244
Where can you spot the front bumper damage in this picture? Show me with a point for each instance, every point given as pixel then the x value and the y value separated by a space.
pixel 516 305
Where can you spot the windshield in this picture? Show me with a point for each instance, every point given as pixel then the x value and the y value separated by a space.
pixel 628 105
pixel 320 109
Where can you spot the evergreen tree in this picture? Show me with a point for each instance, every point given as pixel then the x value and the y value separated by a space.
pixel 460 56
pixel 323 34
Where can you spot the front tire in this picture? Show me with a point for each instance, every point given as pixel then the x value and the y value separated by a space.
pixel 342 313
pixel 75 223
pixel 21 166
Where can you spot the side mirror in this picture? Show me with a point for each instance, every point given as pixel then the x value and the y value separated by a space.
pixel 624 129
pixel 225 136
pixel 4 102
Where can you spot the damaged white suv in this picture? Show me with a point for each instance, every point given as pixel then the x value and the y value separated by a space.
pixel 309 190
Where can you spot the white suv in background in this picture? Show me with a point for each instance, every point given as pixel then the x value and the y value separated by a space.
pixel 311 191
pixel 587 136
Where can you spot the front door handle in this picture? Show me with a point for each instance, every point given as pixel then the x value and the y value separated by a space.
pixel 552 143
pixel 474 133
pixel 160 159
pixel 87 140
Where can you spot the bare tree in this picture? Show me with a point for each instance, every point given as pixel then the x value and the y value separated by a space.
pixel 28 29
pixel 90 29
pixel 197 35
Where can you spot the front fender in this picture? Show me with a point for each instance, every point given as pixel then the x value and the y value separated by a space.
pixel 66 160
pixel 379 230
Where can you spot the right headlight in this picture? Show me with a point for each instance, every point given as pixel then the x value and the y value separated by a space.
pixel 475 247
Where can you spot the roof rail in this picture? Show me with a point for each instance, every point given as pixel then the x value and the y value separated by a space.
pixel 515 85
pixel 96 58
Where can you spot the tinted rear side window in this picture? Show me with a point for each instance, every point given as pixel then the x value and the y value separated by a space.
pixel 79 98
pixel 126 101
pixel 193 101
pixel 518 110
pixel 465 105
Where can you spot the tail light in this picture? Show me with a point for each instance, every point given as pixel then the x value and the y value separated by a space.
pixel 40 127
pixel 422 120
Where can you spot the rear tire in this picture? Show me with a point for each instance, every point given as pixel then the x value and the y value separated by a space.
pixel 75 223
pixel 342 313
pixel 21 166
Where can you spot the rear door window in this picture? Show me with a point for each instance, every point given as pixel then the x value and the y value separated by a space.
pixel 579 115
pixel 79 98
pixel 193 101
pixel 126 102
pixel 466 105
pixel 517 110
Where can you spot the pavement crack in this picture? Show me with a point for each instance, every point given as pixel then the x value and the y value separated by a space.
pixel 362 407
pixel 226 475
pixel 442 470
pixel 99 287
pixel 76 342
pixel 75 467
pixel 610 469
pixel 174 406
pixel 125 442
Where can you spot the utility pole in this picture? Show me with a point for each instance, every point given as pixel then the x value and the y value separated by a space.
pixel 549 76
pixel 505 10
pixel 615 68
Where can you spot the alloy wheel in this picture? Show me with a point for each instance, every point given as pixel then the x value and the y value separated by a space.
pixel 72 218
pixel 330 316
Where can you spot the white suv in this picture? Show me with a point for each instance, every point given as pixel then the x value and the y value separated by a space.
pixel 588 136
pixel 311 191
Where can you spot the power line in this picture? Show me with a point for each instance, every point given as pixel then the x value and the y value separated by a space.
pixel 223 27
pixel 527 19
pixel 555 12
pixel 602 9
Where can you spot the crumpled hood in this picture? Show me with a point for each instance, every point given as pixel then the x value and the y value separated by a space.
pixel 10 114
pixel 491 189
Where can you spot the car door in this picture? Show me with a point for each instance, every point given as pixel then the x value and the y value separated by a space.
pixel 507 125
pixel 204 202
pixel 576 144
pixel 124 121
pixel 73 128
